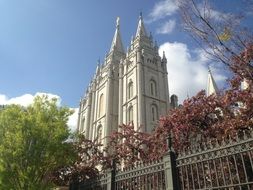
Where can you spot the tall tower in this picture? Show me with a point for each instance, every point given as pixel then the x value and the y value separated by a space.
pixel 98 112
pixel 129 87
pixel 143 90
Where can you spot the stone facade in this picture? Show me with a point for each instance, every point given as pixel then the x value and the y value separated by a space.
pixel 129 87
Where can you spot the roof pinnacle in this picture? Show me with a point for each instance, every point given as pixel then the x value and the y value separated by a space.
pixel 141 29
pixel 116 42
pixel 117 22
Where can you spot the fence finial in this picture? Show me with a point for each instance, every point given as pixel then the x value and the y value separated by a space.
pixel 244 135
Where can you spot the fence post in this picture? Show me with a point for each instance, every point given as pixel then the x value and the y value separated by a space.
pixel 111 176
pixel 170 169
pixel 74 186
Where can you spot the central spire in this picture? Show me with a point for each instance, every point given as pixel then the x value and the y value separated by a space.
pixel 141 28
pixel 116 42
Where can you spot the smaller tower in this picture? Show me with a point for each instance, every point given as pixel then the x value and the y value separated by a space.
pixel 173 101
pixel 211 84
pixel 144 94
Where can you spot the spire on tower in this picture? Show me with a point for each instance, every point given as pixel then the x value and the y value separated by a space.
pixel 151 36
pixel 211 84
pixel 98 66
pixel 141 28
pixel 164 59
pixel 116 42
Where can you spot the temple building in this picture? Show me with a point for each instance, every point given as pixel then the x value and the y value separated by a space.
pixel 128 87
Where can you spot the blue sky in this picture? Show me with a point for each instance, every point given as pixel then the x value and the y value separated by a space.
pixel 52 46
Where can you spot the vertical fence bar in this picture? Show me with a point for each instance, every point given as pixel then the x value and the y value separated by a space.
pixel 237 172
pixel 197 169
pixel 222 172
pixel 210 173
pixel 182 177
pixel 192 176
pixel 244 170
pixel 187 178
pixel 203 172
pixel 229 170
pixel 111 177
pixel 250 159
pixel 170 168
pixel 216 173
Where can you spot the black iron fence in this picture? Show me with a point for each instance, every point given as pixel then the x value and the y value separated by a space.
pixel 142 176
pixel 223 165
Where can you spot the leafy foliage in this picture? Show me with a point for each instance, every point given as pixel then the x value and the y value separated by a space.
pixel 33 142
pixel 91 157
pixel 128 145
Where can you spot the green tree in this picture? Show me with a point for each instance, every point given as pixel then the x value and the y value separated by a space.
pixel 33 143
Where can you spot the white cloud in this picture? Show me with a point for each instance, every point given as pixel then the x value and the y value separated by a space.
pixel 167 27
pixel 216 15
pixel 187 70
pixel 27 99
pixel 162 9
pixel 72 122
pixel 3 99
pixel 207 10
pixel 23 100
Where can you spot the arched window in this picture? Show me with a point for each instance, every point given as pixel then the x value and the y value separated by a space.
pixel 130 114
pixel 82 124
pixel 154 113
pixel 130 89
pixel 101 105
pixel 153 90
pixel 99 134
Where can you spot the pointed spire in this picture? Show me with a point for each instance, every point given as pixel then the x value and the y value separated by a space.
pixel 132 39
pixel 141 28
pixel 164 59
pixel 151 36
pixel 211 84
pixel 116 42
pixel 127 51
pixel 156 45
pixel 187 95
pixel 98 67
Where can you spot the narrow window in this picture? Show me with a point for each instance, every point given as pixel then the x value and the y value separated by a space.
pixel 99 134
pixel 153 90
pixel 154 113
pixel 101 105
pixel 130 89
pixel 130 114
pixel 82 124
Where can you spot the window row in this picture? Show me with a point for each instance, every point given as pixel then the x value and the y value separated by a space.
pixel 152 89
pixel 153 111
